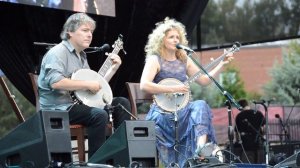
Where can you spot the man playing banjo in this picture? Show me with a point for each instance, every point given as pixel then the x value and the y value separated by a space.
pixel 55 81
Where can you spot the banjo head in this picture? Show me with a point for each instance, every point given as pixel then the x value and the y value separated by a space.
pixel 171 102
pixel 101 98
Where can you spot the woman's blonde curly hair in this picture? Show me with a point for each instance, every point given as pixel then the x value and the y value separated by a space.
pixel 154 45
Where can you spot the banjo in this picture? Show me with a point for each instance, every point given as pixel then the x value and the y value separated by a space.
pixel 171 102
pixel 104 96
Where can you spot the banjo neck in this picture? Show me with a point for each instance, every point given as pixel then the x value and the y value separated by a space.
pixel 233 49
pixel 108 62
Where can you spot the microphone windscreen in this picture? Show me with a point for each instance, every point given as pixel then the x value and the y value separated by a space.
pixel 105 47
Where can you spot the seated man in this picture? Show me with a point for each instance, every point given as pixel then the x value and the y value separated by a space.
pixel 249 124
pixel 55 82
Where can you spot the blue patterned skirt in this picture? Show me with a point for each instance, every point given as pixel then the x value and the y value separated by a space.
pixel 194 120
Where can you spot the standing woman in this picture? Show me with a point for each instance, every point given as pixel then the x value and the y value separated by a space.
pixel 164 60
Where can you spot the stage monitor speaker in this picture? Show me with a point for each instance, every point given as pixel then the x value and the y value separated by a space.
pixel 287 149
pixel 133 143
pixel 238 155
pixel 40 140
pixel 291 162
pixel 279 153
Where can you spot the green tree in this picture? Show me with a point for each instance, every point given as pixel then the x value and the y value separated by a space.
pixel 207 93
pixel 229 80
pixel 8 119
pixel 233 84
pixel 285 81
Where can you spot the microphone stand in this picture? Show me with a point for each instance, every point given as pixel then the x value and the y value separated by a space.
pixel 175 164
pixel 230 100
pixel 176 132
pixel 110 109
pixel 284 130
pixel 258 134
pixel 267 132
pixel 133 116
pixel 230 130
pixel 286 127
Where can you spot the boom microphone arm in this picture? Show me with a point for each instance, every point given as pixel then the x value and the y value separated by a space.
pixel 230 100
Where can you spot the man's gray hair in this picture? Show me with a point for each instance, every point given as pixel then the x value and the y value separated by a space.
pixel 74 22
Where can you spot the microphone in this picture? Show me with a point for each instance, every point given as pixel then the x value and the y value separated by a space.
pixel 259 102
pixel 179 46
pixel 280 120
pixel 277 116
pixel 104 47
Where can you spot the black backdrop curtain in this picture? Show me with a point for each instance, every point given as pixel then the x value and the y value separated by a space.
pixel 22 25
